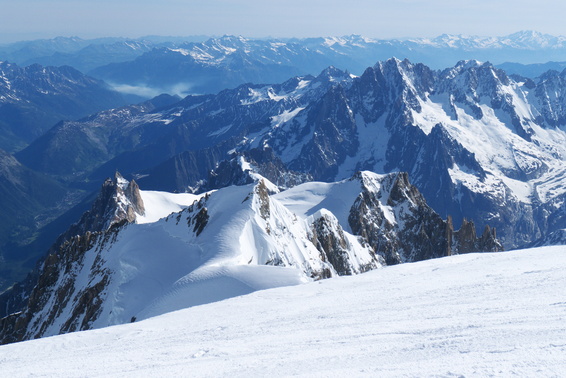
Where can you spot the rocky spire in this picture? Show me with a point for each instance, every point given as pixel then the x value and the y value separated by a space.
pixel 118 202
pixel 417 232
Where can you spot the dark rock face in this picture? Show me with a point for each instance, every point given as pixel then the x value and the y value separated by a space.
pixel 417 232
pixel 228 172
pixel 183 172
pixel 390 220
pixel 328 237
pixel 465 239
pixel 332 128
pixel 557 237
pixel 58 265
pixel 240 170
pixel 118 200
pixel 551 91
pixel 199 220
pixel 116 205
pixel 132 193
pixel 262 194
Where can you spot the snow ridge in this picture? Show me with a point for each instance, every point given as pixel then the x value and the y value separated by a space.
pixel 229 242
pixel 477 314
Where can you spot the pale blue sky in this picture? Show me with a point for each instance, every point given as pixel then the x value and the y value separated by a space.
pixel 31 19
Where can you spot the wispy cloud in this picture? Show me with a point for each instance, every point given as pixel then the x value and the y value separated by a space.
pixel 142 90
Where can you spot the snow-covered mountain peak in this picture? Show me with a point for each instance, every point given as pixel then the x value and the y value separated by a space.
pixel 233 40
pixel 395 66
pixel 397 81
pixel 332 73
pixel 477 72
pixel 392 64
pixel 119 200
pixel 467 64
pixel 533 39
pixel 120 181
pixel 523 40
pixel 348 41
pixel 378 184
pixel 522 35
pixel 476 83
pixel 229 242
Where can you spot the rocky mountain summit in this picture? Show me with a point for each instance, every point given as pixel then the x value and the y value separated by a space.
pixel 117 203
pixel 477 143
pixel 237 239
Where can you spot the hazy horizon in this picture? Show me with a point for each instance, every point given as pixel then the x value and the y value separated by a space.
pixel 204 37
pixel 36 19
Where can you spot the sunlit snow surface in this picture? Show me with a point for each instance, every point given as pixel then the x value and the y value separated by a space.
pixel 497 147
pixel 160 204
pixel 470 315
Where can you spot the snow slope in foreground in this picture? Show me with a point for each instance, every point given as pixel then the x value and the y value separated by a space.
pixel 469 315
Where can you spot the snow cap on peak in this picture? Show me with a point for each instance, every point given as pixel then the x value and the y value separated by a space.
pixel 487 70
pixel 374 182
pixel 471 63
pixel 369 175
pixel 269 186
pixel 119 180
pixel 530 37
pixel 331 73
pixel 230 39
pixel 250 170
pixel 394 65
pixel 394 61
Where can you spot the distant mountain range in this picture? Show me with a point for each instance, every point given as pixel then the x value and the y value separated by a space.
pixel 476 143
pixel 149 66
pixel 34 98
pixel 84 54
pixel 226 62
pixel 317 175
pixel 532 70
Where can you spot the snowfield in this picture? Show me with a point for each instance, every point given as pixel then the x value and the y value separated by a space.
pixel 496 314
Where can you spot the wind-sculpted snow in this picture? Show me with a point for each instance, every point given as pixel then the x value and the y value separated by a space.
pixel 469 315
pixel 129 265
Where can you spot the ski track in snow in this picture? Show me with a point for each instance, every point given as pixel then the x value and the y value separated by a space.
pixel 497 314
